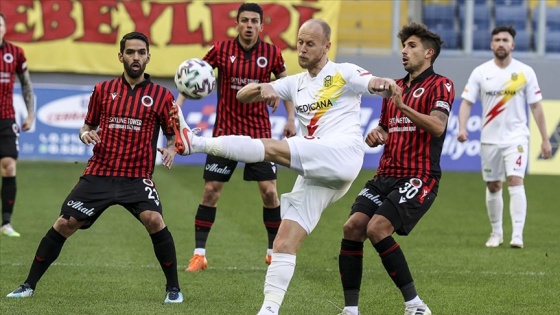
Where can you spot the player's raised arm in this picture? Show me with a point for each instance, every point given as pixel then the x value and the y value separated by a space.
pixel 250 93
pixel 384 87
pixel 259 92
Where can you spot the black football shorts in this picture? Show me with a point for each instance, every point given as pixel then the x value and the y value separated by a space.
pixel 403 201
pixel 94 194
pixel 219 169
pixel 9 133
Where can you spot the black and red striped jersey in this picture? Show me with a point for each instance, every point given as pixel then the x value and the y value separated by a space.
pixel 236 68
pixel 129 121
pixel 12 61
pixel 409 150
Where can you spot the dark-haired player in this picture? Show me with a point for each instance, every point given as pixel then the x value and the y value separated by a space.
pixel 239 61
pixel 412 128
pixel 505 86
pixel 123 121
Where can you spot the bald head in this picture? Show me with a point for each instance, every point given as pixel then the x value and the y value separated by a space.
pixel 319 26
pixel 314 42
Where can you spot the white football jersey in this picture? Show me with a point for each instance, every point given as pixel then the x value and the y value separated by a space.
pixel 504 94
pixel 328 104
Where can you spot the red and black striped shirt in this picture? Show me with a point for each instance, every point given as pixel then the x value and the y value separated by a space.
pixel 12 61
pixel 130 121
pixel 236 68
pixel 410 151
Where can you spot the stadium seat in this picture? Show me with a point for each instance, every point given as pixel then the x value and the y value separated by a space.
pixel 523 41
pixel 511 2
pixel 515 16
pixel 552 18
pixel 482 17
pixel 552 42
pixel 439 16
pixel 482 39
pixel 476 2
pixel 449 37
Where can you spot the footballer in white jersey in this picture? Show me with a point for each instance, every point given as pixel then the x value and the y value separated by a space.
pixel 327 154
pixel 507 88
pixel 329 103
pixel 505 93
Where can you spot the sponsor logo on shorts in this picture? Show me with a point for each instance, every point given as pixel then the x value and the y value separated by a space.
pixel 375 198
pixel 79 205
pixel 220 170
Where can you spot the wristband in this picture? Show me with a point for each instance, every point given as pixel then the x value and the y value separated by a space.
pixel 82 135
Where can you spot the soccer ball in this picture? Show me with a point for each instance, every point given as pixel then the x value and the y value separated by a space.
pixel 195 78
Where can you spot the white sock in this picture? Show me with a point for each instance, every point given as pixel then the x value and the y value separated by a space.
pixel 351 310
pixel 269 251
pixel 414 301
pixel 237 148
pixel 199 144
pixel 495 207
pixel 278 277
pixel 200 251
pixel 517 208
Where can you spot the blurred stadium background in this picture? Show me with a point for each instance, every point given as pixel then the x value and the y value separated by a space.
pixel 73 45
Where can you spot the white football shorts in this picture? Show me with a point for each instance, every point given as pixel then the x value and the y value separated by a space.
pixel 500 161
pixel 327 168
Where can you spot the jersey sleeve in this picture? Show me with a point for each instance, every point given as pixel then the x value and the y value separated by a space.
pixel 357 77
pixel 21 61
pixel 279 63
pixel 163 118
pixel 94 107
pixel 212 55
pixel 383 119
pixel 472 89
pixel 444 93
pixel 285 87
pixel 532 89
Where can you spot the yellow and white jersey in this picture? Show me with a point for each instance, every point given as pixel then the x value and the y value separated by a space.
pixel 328 104
pixel 504 94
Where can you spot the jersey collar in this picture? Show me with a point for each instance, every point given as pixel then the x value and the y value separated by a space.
pixel 428 72
pixel 252 47
pixel 147 80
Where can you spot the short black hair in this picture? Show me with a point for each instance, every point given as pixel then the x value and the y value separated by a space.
pixel 508 29
pixel 135 35
pixel 428 38
pixel 253 7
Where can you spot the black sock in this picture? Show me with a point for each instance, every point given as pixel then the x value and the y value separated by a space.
pixel 46 254
pixel 8 195
pixel 164 247
pixel 271 219
pixel 395 263
pixel 350 261
pixel 205 217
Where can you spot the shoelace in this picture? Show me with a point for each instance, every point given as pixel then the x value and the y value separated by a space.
pixel 173 294
pixel 23 288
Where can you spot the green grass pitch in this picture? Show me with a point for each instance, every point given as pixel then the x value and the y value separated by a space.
pixel 111 268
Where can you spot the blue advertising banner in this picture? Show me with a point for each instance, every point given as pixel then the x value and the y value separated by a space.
pixel 60 112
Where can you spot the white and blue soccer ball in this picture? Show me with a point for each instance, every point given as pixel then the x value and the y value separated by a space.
pixel 195 79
